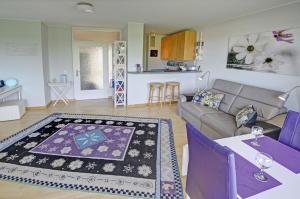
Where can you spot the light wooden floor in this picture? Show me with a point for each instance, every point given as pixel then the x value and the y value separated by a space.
pixel 12 190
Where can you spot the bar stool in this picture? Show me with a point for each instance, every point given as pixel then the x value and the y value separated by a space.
pixel 172 87
pixel 160 90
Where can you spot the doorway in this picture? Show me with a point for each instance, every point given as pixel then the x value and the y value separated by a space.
pixel 91 68
pixel 92 63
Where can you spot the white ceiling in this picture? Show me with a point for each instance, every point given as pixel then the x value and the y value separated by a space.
pixel 159 15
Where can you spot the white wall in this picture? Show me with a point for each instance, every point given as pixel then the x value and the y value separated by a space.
pixel 156 62
pixel 138 84
pixel 24 65
pixel 133 33
pixel 60 54
pixel 45 60
pixel 216 48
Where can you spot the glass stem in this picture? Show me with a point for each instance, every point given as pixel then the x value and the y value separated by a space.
pixel 262 172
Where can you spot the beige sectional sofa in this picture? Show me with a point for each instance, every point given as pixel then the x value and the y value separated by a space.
pixel 221 123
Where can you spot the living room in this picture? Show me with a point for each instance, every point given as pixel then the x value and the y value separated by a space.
pixel 118 95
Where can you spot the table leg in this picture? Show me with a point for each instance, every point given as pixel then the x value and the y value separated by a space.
pixel 185 159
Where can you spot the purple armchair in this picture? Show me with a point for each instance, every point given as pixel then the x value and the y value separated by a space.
pixel 211 169
pixel 290 132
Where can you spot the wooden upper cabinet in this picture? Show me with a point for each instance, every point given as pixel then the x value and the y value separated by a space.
pixel 179 46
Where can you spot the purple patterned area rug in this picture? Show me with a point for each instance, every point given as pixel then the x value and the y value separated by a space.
pixel 109 154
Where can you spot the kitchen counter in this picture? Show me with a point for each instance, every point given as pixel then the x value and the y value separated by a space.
pixel 163 72
pixel 138 83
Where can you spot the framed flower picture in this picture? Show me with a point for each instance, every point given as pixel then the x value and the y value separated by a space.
pixel 276 51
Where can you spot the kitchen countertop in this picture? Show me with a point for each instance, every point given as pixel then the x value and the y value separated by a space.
pixel 162 72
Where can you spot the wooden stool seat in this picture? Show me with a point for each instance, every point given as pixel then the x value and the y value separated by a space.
pixel 156 87
pixel 172 83
pixel 173 87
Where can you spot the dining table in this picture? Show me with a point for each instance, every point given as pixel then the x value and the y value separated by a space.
pixel 283 176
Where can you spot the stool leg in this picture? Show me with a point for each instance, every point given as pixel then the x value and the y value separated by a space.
pixel 178 92
pixel 149 96
pixel 172 94
pixel 161 91
pixel 166 94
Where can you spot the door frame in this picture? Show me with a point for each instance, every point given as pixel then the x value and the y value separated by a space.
pixel 74 46
pixel 91 94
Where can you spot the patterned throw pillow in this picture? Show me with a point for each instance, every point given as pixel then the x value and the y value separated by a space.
pixel 207 98
pixel 199 96
pixel 246 115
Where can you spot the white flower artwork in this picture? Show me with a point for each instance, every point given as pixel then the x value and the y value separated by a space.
pixel 58 120
pixel 27 159
pixel 58 162
pixel 98 121
pixel 248 47
pixel 30 145
pixel 75 164
pixel 144 170
pixel 273 52
pixel 268 62
pixel 109 167
pixel 133 153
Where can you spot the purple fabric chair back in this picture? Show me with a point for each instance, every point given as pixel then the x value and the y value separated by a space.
pixel 211 170
pixel 290 132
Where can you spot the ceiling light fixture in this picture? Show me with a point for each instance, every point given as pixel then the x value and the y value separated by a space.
pixel 85 7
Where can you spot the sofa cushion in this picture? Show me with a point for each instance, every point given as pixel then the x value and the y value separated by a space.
pixel 196 110
pixel 265 102
pixel 221 122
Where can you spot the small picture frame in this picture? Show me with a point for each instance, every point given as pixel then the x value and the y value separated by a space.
pixel 153 53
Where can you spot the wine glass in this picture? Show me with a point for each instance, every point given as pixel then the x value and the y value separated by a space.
pixel 257 131
pixel 264 161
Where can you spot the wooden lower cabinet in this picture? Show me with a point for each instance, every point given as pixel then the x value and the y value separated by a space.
pixel 179 46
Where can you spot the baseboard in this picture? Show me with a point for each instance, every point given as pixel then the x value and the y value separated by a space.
pixel 149 105
pixel 38 107
pixel 46 106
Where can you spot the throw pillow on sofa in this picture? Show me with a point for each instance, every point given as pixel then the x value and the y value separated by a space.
pixel 207 98
pixel 199 96
pixel 247 115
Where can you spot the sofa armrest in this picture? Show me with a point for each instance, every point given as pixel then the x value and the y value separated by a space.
pixel 270 130
pixel 182 98
pixel 278 120
pixel 186 97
